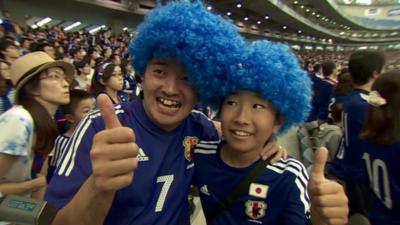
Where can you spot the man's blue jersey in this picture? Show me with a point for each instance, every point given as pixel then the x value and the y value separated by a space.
pixel 348 165
pixel 382 164
pixel 278 196
pixel 159 191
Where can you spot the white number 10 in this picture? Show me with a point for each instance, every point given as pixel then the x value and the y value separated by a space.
pixel 167 180
pixel 378 172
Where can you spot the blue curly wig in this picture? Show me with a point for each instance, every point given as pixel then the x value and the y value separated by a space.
pixel 272 71
pixel 205 43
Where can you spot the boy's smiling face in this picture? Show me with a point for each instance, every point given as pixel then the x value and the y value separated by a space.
pixel 248 121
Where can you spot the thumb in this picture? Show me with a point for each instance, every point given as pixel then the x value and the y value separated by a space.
pixel 318 168
pixel 107 112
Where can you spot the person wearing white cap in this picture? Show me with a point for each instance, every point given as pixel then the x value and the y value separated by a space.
pixel 41 85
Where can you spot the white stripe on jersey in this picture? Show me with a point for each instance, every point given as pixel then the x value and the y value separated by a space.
pixel 295 167
pixel 205 151
pixel 59 148
pixel 68 161
pixel 346 131
pixel 301 181
pixel 206 147
pixel 82 127
pixel 303 196
pixel 200 112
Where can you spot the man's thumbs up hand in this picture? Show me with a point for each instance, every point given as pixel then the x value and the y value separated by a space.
pixel 114 151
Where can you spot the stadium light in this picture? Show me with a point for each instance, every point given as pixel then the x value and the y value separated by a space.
pixel 72 26
pixel 43 21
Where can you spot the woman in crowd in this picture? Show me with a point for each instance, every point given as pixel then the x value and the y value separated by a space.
pixel 6 87
pixel 109 80
pixel 41 86
pixel 381 135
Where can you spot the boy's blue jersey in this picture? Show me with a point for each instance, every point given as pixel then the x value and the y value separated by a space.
pixel 348 165
pixel 278 196
pixel 381 163
pixel 159 191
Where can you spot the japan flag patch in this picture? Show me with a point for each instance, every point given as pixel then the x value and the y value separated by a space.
pixel 258 190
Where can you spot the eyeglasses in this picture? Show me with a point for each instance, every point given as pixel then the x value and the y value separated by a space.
pixel 56 76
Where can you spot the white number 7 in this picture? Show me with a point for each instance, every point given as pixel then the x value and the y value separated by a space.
pixel 167 180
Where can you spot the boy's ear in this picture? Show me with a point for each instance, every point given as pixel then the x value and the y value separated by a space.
pixel 279 120
pixel 70 118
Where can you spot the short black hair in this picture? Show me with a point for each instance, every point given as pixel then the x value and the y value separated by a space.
pixel 75 96
pixel 363 64
pixel 328 67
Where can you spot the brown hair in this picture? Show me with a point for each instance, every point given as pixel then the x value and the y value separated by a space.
pixel 4 84
pixel 382 124
pixel 345 84
pixel 45 127
pixel 103 72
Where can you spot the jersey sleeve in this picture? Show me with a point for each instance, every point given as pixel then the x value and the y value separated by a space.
pixel 16 132
pixel 74 166
pixel 210 132
pixel 297 209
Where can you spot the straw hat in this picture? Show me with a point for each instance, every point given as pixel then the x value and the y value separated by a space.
pixel 26 67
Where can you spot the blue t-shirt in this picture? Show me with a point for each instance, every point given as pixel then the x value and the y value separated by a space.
pixel 278 196
pixel 381 163
pixel 158 194
pixel 348 164
pixel 325 94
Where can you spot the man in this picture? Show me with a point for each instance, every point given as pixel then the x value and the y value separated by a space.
pixel 174 44
pixel 9 51
pixel 326 89
pixel 364 68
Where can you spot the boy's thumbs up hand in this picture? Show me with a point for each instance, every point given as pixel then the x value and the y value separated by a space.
pixel 113 152
pixel 329 203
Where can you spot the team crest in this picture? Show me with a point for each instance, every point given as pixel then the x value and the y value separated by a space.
pixel 189 142
pixel 255 209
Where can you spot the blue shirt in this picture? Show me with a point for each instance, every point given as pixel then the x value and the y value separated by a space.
pixel 325 94
pixel 348 165
pixel 381 163
pixel 278 196
pixel 159 192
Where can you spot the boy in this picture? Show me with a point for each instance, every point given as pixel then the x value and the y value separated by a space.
pixel 81 103
pixel 258 102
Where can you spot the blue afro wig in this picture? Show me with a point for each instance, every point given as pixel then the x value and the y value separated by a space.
pixel 205 43
pixel 272 71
